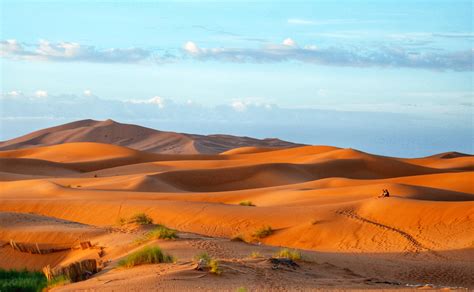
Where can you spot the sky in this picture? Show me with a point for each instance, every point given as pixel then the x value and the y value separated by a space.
pixel 391 77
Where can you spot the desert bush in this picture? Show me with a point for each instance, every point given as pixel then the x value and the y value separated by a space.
pixel 209 262
pixel 58 281
pixel 255 254
pixel 214 267
pixel 160 232
pixel 147 255
pixel 263 232
pixel 141 219
pixel 241 289
pixel 12 280
pixel 292 254
pixel 246 203
pixel 203 256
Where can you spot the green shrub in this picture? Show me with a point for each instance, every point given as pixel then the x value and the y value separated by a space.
pixel 203 256
pixel 160 232
pixel 241 289
pixel 11 280
pixel 147 255
pixel 209 262
pixel 246 203
pixel 141 219
pixel 292 254
pixel 214 267
pixel 255 254
pixel 263 232
pixel 58 281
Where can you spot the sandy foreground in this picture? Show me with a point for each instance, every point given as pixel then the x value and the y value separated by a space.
pixel 320 199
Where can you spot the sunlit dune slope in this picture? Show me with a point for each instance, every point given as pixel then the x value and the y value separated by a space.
pixel 314 197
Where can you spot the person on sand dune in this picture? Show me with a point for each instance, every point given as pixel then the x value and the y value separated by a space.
pixel 385 194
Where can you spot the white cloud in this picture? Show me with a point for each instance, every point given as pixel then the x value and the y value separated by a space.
pixel 41 93
pixel 192 48
pixel 8 47
pixel 239 106
pixel 156 100
pixel 87 92
pixel 14 93
pixel 289 42
pixel 71 52
pixel 382 56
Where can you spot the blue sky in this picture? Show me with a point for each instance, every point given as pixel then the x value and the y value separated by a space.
pixel 410 57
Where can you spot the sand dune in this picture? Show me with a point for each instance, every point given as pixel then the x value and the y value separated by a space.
pixel 317 198
pixel 137 137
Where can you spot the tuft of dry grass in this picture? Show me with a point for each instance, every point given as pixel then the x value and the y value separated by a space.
pixel 160 232
pixel 141 219
pixel 292 254
pixel 247 203
pixel 256 254
pixel 209 262
pixel 263 232
pixel 146 255
pixel 214 267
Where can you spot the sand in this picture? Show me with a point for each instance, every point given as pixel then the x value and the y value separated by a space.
pixel 320 199
pixel 139 138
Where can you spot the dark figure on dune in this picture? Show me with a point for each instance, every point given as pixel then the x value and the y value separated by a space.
pixel 385 194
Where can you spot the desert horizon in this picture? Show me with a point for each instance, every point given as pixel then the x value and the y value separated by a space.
pixel 157 145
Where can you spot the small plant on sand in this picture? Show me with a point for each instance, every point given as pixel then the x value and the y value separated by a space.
pixel 146 255
pixel 214 267
pixel 241 289
pixel 263 232
pixel 141 219
pixel 160 232
pixel 58 281
pixel 291 254
pixel 246 203
pixel 206 261
pixel 256 254
pixel 238 237
pixel 203 256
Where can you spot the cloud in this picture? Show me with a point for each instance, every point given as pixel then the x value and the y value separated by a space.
pixel 383 56
pixel 239 106
pixel 156 100
pixel 41 93
pixel 71 52
pixel 87 92
pixel 289 42
pixel 191 48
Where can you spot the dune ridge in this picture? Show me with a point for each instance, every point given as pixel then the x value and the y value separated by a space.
pixel 137 137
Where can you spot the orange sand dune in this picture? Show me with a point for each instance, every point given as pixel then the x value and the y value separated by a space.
pixel 137 137
pixel 317 198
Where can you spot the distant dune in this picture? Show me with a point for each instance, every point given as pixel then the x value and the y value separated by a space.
pixel 139 138
pixel 321 199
